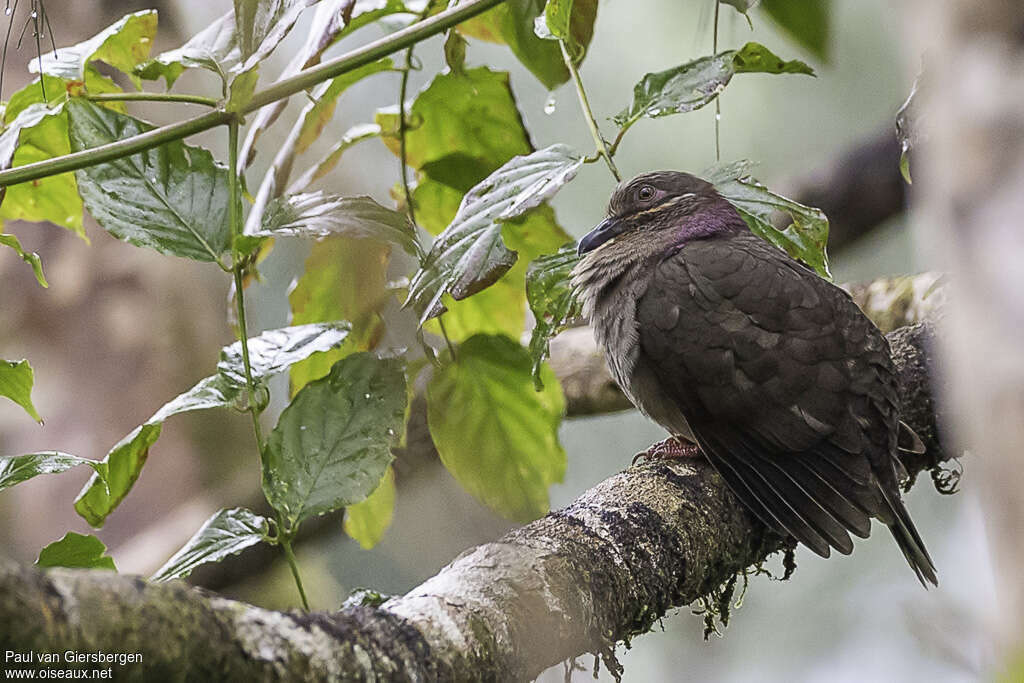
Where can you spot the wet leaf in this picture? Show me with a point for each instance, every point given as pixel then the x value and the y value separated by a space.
pixel 571 21
pixel 261 25
pixel 692 85
pixel 320 214
pixel 332 443
pixel 469 254
pixel 173 198
pixel 15 469
pixel 227 532
pixel 552 301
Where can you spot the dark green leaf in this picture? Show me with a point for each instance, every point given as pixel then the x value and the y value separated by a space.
pixel 470 254
pixel 15 469
pixel 333 442
pixel 271 352
pixel 116 475
pixel 808 22
pixel 344 279
pixel 77 552
pixel 495 433
pixel 29 257
pixel 262 24
pixel 16 384
pixel 227 532
pixel 122 45
pixel 367 521
pixel 571 21
pixel 692 85
pixel 173 198
pixel 320 214
pixel 806 235
pixel 552 301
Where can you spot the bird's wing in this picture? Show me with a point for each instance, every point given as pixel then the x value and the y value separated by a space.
pixel 787 387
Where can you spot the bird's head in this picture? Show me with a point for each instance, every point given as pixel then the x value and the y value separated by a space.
pixel 670 204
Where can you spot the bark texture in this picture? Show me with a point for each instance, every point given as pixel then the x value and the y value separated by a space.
pixel 603 569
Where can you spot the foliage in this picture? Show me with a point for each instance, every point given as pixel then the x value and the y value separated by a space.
pixel 477 243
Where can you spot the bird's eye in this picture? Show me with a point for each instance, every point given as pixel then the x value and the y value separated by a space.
pixel 645 193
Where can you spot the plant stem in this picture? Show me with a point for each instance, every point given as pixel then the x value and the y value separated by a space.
pixel 234 197
pixel 286 544
pixel 718 98
pixel 588 114
pixel 361 56
pixel 152 97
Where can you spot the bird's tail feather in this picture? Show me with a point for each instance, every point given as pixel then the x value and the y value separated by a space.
pixel 910 541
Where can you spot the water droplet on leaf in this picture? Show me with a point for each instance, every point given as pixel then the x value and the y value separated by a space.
pixel 549 106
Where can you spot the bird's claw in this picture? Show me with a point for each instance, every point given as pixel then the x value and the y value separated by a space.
pixel 671 448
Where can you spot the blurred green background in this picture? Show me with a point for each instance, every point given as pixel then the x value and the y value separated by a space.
pixel 122 330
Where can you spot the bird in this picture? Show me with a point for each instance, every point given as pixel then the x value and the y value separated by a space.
pixel 747 356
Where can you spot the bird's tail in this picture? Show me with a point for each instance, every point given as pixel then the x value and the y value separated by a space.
pixel 909 541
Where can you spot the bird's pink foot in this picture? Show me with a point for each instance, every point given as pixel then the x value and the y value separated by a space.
pixel 671 448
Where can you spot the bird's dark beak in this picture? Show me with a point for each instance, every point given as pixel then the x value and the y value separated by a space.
pixel 606 230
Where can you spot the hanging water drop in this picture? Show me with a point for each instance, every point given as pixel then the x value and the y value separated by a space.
pixel 718 116
pixel 34 15
pixel 7 11
pixel 549 106
pixel 366 396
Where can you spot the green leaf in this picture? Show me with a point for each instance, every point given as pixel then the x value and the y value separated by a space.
pixel 15 469
pixel 808 23
pixel 513 23
pixel 470 254
pixel 692 85
pixel 455 52
pixel 501 308
pixel 215 48
pixel 325 97
pixel 29 257
pixel 77 552
pixel 344 279
pixel 552 301
pixel 173 198
pixel 806 235
pixel 16 384
pixel 367 521
pixel 277 350
pixel 261 25
pixel 571 21
pixel 495 434
pixel 116 475
pixel 271 352
pixel 320 214
pixel 472 115
pixel 227 532
pixel 122 45
pixel 37 136
pixel 332 444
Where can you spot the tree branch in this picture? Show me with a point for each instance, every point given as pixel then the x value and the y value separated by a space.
pixel 601 570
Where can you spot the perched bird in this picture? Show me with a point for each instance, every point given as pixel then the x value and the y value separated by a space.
pixel 773 372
